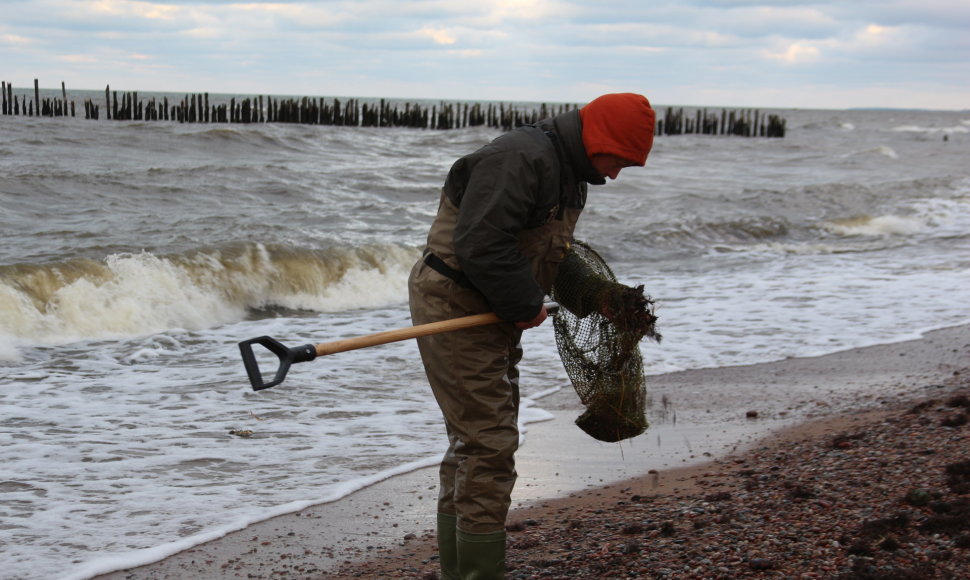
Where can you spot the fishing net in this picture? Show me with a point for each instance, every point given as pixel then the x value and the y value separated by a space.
pixel 598 331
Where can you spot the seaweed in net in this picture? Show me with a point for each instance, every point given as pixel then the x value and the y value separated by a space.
pixel 598 331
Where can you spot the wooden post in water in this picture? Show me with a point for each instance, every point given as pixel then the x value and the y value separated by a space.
pixel 90 109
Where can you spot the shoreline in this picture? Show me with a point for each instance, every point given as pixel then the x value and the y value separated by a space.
pixel 706 416
pixel 859 496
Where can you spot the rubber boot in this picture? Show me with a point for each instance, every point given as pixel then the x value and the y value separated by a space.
pixel 481 556
pixel 448 547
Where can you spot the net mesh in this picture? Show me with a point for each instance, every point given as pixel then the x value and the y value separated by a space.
pixel 598 331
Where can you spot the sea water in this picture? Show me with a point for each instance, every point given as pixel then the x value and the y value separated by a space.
pixel 134 256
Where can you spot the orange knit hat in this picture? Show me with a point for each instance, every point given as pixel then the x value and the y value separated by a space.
pixel 620 124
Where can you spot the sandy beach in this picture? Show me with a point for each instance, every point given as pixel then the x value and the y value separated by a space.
pixel 860 470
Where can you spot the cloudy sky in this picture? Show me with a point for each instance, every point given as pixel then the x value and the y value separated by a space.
pixel 739 53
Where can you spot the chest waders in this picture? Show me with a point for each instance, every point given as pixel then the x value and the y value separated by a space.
pixel 475 380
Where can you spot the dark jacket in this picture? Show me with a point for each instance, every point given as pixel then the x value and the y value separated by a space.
pixel 520 181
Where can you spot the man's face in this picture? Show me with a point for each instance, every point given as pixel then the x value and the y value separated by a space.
pixel 609 165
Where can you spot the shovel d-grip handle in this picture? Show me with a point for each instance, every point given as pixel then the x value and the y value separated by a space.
pixel 286 355
pixel 307 352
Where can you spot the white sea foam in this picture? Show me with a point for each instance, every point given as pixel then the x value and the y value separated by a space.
pixel 878 226
pixel 883 150
pixel 9 350
pixel 962 128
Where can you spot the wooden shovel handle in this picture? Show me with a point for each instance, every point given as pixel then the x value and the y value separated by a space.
pixel 307 352
pixel 406 333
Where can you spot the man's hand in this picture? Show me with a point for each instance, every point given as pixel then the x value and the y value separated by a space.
pixel 539 319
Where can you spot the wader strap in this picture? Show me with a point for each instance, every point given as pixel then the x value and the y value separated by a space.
pixel 439 266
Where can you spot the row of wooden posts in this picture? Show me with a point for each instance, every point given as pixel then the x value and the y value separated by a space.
pixel 196 108
pixel 745 123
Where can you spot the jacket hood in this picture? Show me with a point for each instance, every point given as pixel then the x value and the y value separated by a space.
pixel 620 124
pixel 569 128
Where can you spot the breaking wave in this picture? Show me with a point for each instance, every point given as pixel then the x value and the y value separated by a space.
pixel 886 225
pixel 963 127
pixel 132 294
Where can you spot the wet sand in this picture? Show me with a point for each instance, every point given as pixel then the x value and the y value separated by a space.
pixel 700 421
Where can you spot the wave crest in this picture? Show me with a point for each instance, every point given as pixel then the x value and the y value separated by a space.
pixel 885 225
pixel 133 294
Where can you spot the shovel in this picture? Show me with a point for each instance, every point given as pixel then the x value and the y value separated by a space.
pixel 307 352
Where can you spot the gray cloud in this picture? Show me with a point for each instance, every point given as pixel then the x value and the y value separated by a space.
pixel 706 52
